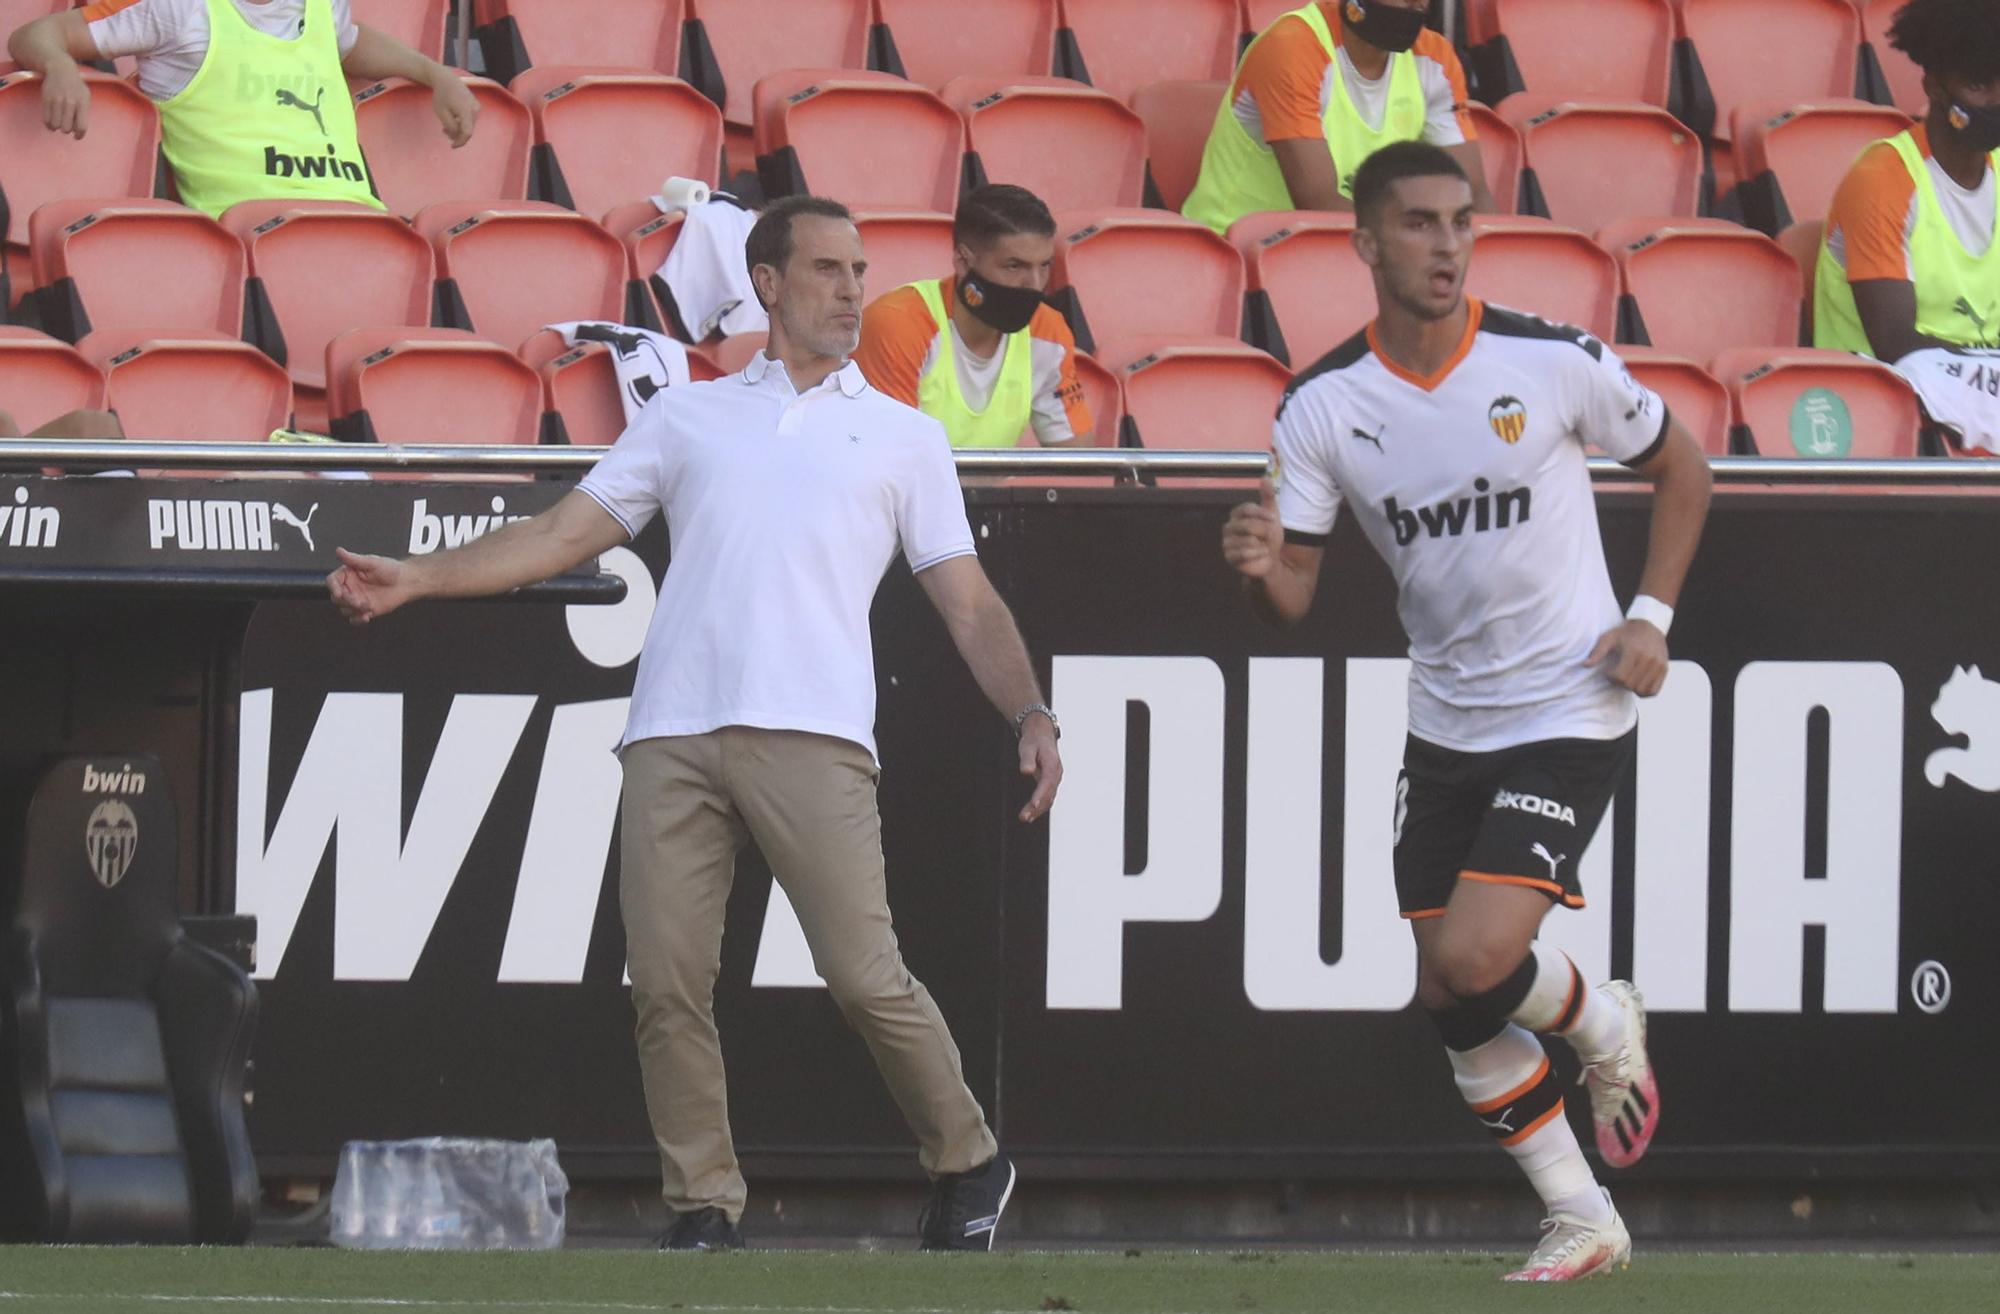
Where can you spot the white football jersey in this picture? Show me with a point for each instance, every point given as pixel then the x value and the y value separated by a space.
pixel 1472 485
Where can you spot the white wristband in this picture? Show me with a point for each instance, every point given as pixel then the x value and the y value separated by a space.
pixel 1651 610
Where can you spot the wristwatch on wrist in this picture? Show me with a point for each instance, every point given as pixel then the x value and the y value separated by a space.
pixel 1021 718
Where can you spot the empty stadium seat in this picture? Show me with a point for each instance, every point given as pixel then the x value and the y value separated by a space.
pixel 421 386
pixel 131 262
pixel 749 38
pixel 1309 291
pixel 1200 394
pixel 1798 402
pixel 990 39
pixel 1790 158
pixel 1068 144
pixel 648 237
pixel 580 391
pixel 873 140
pixel 1794 50
pixel 1698 286
pixel 117 157
pixel 1144 273
pixel 903 246
pixel 1541 267
pixel 412 161
pixel 517 34
pixel 1901 82
pixel 193 386
pixel 319 268
pixel 41 378
pixel 507 269
pixel 733 353
pixel 1592 163
pixel 1178 116
pixel 1500 151
pixel 1581 49
pixel 1124 44
pixel 1693 396
pixel 605 137
pixel 422 25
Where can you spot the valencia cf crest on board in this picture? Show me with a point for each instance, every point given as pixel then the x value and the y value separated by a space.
pixel 1509 418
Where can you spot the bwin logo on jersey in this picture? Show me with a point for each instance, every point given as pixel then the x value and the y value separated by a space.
pixel 1533 803
pixel 1509 418
pixel 1481 512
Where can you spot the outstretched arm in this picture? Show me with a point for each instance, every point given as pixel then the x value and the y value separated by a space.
pixel 985 634
pixel 1637 649
pixel 568 533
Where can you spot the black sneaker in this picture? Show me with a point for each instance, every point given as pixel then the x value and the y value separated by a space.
pixel 704 1229
pixel 965 1208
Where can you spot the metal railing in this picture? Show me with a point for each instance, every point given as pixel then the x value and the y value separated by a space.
pixel 26 455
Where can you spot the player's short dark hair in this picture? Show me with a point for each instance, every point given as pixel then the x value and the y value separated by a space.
pixel 1950 38
pixel 770 240
pixel 1393 163
pixel 997 210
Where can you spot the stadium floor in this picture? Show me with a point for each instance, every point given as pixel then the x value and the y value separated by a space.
pixel 76 1280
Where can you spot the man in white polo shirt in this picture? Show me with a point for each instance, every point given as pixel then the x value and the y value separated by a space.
pixel 788 489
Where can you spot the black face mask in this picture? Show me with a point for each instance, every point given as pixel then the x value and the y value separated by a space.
pixel 1383 26
pixel 1975 129
pixel 1005 308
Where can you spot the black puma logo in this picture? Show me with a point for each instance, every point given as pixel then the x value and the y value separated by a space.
pixel 1964 307
pixel 1375 437
pixel 287 98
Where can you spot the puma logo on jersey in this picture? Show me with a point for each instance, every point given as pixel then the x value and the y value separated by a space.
pixel 1478 513
pixel 1375 437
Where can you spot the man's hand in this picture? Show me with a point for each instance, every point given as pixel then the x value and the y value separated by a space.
pixel 1637 653
pixel 1041 763
pixel 366 587
pixel 457 108
pixel 1253 538
pixel 66 101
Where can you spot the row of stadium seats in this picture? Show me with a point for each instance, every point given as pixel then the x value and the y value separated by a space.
pixel 402 384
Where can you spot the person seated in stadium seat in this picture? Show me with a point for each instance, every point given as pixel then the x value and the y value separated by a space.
pixel 1910 259
pixel 75 424
pixel 252 93
pixel 1318 92
pixel 981 352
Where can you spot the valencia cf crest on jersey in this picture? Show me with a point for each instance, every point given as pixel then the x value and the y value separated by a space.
pixel 1509 418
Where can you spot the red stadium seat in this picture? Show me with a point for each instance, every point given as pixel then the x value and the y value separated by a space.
pixel 1126 44
pixel 412 161
pixel 579 388
pixel 1821 404
pixel 1068 144
pixel 422 25
pixel 605 137
pixel 507 269
pixel 1796 50
pixel 1902 80
pixel 115 158
pixel 319 268
pixel 1790 158
pixel 702 367
pixel 903 246
pixel 1544 269
pixel 1500 151
pixel 1595 163
pixel 1802 242
pixel 41 378
pixel 1105 394
pixel 190 385
pixel 1480 24
pixel 132 263
pixel 874 141
pixel 421 386
pixel 1260 14
pixel 516 34
pixel 733 353
pixel 1309 292
pixel 648 236
pixel 995 39
pixel 750 38
pixel 1698 286
pixel 1145 273
pixel 1201 394
pixel 1693 396
pixel 1178 116
pixel 1584 49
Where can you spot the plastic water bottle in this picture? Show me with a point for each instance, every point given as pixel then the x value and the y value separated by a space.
pixel 449 1193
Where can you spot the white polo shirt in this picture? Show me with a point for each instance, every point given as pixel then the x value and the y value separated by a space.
pixel 783 511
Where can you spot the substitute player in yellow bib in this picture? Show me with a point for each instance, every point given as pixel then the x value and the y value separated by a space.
pixel 1456 430
pixel 1317 93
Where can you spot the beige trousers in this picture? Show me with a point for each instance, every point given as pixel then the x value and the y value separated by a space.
pixel 809 803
